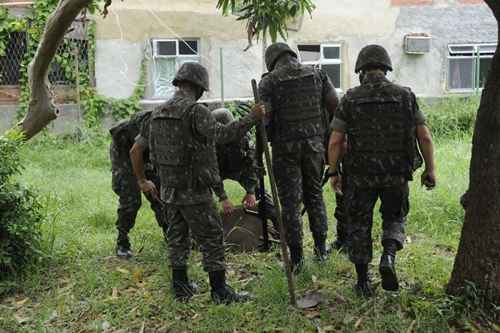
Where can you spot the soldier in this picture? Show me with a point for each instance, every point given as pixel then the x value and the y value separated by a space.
pixel 124 183
pixel 299 100
pixel 382 123
pixel 182 138
pixel 236 161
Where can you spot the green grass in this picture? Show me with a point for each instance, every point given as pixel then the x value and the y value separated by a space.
pixel 82 287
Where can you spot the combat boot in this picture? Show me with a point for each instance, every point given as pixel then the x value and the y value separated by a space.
pixel 123 250
pixel 386 267
pixel 297 259
pixel 363 287
pixel 183 288
pixel 221 292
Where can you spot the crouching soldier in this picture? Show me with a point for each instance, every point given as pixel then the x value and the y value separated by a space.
pixel 124 183
pixel 182 138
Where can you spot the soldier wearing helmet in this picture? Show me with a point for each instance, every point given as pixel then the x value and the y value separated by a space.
pixel 182 137
pixel 124 183
pixel 300 101
pixel 383 126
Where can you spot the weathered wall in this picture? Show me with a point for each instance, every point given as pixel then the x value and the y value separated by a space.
pixel 122 37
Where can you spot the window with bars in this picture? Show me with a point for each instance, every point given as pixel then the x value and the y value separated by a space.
pixel 328 57
pixel 469 65
pixel 168 56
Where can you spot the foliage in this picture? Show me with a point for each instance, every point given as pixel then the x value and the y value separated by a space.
pixel 451 117
pixel 20 211
pixel 266 17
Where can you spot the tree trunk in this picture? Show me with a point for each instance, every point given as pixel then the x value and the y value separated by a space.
pixel 41 110
pixel 478 257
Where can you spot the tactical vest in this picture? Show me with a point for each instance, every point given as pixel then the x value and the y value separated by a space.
pixel 297 106
pixel 381 135
pixel 184 161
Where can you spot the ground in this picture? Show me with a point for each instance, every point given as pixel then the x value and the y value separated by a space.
pixel 81 287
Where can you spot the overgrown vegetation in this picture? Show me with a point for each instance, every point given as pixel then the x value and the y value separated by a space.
pixel 20 212
pixel 452 116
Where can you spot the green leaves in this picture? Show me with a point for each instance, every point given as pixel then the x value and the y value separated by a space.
pixel 266 17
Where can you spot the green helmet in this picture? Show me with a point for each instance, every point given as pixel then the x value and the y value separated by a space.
pixel 275 51
pixel 223 115
pixel 373 55
pixel 194 73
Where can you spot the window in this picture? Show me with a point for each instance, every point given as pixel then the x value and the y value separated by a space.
pixel 468 66
pixel 324 56
pixel 168 56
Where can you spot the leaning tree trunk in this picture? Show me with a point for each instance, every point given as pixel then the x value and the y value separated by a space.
pixel 478 257
pixel 41 110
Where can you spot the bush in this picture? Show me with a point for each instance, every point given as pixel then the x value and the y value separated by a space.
pixel 451 117
pixel 20 212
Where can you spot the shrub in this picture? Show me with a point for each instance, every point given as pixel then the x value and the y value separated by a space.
pixel 451 117
pixel 20 212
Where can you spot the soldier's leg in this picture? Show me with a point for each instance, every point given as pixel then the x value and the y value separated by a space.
pixel 312 176
pixel 179 249
pixel 206 226
pixel 394 209
pixel 288 175
pixel 359 211
pixel 341 222
pixel 125 186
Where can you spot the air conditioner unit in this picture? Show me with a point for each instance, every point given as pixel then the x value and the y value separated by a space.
pixel 417 43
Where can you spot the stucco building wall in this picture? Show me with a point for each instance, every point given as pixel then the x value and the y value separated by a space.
pixel 124 39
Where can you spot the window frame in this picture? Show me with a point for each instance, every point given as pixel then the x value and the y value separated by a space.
pixel 476 54
pixel 178 58
pixel 325 61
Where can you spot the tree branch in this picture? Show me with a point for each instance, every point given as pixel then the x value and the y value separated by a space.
pixel 41 110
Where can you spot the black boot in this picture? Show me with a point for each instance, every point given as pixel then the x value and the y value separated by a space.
pixel 123 250
pixel 221 292
pixel 320 251
pixel 183 289
pixel 386 268
pixel 297 258
pixel 363 286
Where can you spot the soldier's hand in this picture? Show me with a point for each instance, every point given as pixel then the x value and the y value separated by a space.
pixel 148 187
pixel 249 201
pixel 259 111
pixel 428 179
pixel 227 207
pixel 336 182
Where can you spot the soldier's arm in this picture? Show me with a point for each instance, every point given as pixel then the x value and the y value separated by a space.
pixel 330 97
pixel 265 95
pixel 137 158
pixel 207 127
pixel 248 179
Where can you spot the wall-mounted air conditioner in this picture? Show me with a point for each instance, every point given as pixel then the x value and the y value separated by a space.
pixel 417 43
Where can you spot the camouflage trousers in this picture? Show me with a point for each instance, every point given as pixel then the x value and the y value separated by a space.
pixel 341 218
pixel 203 222
pixel 124 184
pixel 359 203
pixel 299 180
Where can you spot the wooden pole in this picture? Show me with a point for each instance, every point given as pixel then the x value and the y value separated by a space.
pixel 261 132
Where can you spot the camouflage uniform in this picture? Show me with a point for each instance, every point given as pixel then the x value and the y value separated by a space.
pixel 379 119
pixel 236 161
pixel 182 138
pixel 294 96
pixel 124 182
